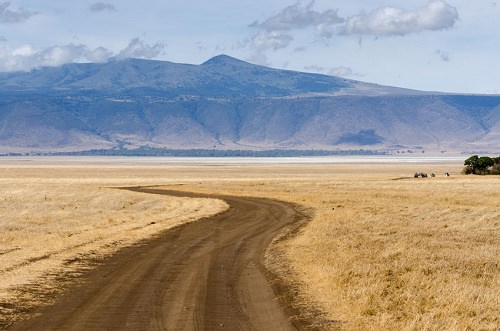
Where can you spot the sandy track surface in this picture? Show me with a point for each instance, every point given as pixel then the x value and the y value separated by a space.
pixel 206 275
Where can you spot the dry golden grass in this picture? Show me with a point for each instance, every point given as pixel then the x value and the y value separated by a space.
pixel 384 251
pixel 51 217
pixel 404 255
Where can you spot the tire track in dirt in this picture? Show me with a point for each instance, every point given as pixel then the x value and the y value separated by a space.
pixel 206 275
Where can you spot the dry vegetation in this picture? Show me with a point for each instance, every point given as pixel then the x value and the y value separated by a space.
pixel 58 219
pixel 404 255
pixel 383 251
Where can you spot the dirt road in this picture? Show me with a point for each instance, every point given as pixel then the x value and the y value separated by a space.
pixel 206 275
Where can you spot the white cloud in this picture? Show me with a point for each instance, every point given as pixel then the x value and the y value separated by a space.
pixel 14 16
pixel 392 21
pixel 138 49
pixel 100 54
pixel 337 71
pixel 265 40
pixel 58 55
pixel 27 57
pixel 298 22
pixel 23 51
pixel 101 6
pixel 276 31
pixel 297 17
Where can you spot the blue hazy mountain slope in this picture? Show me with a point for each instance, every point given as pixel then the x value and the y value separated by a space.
pixel 226 103
pixel 220 76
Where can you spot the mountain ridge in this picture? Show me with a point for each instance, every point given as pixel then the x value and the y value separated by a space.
pixel 229 104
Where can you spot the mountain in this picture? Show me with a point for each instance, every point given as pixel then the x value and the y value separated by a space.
pixel 229 104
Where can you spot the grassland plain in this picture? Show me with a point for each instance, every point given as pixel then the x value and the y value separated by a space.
pixel 383 250
pixel 57 219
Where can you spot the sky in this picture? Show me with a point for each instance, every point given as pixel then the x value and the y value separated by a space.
pixel 431 45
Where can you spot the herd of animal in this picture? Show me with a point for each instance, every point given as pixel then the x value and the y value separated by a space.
pixel 424 175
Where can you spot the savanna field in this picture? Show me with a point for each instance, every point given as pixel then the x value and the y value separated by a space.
pixel 381 250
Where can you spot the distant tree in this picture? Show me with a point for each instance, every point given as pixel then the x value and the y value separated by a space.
pixel 484 162
pixel 481 165
pixel 471 165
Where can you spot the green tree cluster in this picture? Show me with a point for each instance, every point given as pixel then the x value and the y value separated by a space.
pixel 482 165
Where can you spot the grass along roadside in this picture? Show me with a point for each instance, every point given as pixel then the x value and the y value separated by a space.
pixel 384 254
pixel 379 253
pixel 50 227
pixel 402 257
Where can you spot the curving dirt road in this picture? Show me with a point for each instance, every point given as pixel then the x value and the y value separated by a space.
pixel 205 275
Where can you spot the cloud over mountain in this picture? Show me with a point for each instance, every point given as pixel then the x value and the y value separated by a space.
pixel 297 17
pixel 279 31
pixel 276 31
pixel 27 57
pixel 139 49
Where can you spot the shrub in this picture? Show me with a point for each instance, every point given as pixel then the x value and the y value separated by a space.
pixel 467 170
pixel 471 164
pixel 495 170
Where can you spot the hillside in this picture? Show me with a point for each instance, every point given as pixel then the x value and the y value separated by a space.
pixel 228 104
